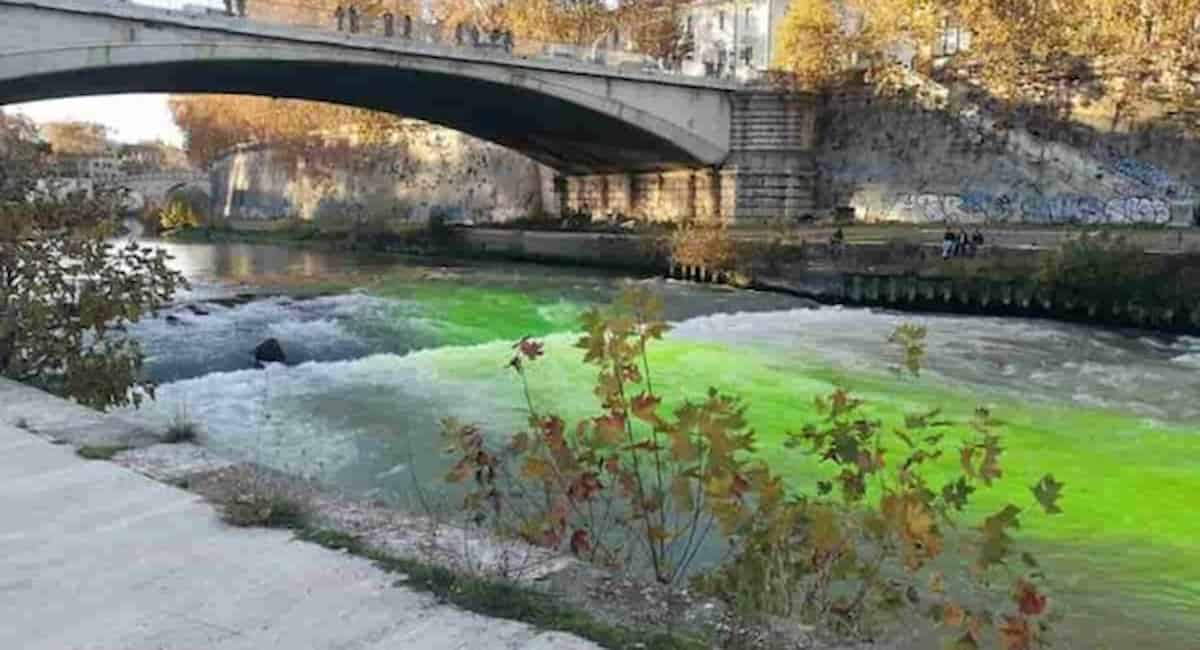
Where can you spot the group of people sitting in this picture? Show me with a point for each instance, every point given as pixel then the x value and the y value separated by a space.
pixel 960 244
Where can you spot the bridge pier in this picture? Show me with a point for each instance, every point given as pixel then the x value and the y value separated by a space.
pixel 770 173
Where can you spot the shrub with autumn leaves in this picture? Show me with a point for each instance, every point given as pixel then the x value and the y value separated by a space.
pixel 633 486
pixel 708 246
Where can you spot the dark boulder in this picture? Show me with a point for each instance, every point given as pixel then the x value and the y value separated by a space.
pixel 172 319
pixel 270 351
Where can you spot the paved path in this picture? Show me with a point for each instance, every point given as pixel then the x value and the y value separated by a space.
pixel 94 556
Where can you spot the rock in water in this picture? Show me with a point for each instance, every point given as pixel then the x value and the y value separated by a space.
pixel 269 351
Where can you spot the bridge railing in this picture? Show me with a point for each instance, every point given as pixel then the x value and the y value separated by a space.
pixel 334 17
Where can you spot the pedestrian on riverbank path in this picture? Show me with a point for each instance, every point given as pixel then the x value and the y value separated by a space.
pixel 837 242
pixel 948 243
pixel 340 15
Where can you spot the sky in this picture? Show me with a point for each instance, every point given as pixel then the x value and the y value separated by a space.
pixel 130 118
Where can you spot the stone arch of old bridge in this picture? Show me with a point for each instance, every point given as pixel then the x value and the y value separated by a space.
pixel 575 117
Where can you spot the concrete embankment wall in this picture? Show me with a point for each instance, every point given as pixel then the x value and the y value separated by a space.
pixel 898 289
pixel 425 171
pixel 930 157
pixel 981 296
pixel 616 251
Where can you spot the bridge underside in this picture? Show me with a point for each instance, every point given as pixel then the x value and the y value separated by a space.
pixel 558 133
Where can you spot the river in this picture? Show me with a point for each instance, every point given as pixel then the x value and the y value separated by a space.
pixel 1113 414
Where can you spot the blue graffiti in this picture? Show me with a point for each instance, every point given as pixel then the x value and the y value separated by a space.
pixel 1144 173
pixel 990 207
pixel 977 206
pixel 1062 209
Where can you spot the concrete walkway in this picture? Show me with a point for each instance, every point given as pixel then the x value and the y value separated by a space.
pixel 97 557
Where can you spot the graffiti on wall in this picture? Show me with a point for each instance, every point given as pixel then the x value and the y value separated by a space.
pixel 1144 176
pixel 979 207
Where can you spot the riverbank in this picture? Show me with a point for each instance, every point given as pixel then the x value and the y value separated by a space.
pixel 382 573
pixel 880 266
pixel 315 598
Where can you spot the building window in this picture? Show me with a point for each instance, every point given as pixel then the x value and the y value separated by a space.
pixel 721 20
pixel 691 28
pixel 950 40
pixel 746 19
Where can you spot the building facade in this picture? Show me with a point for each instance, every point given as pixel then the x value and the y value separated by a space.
pixel 731 38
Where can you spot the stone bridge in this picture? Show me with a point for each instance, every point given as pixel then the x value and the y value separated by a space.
pixel 156 188
pixel 575 117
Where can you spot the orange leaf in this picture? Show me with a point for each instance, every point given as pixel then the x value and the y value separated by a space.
pixel 1029 601
pixel 952 615
pixel 528 347
pixel 644 406
pixel 1015 633
pixel 535 467
pixel 612 464
pixel 610 429
pixel 519 443
pixel 579 542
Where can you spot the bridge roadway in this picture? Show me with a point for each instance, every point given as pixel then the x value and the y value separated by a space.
pixel 576 117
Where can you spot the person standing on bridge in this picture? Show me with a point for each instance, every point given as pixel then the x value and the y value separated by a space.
pixel 353 19
pixel 228 7
pixel 340 15
pixel 241 8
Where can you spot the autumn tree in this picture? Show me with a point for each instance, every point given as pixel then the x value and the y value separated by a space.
pixel 1021 51
pixel 20 148
pixel 67 292
pixel 76 138
pixel 654 27
pixel 812 44
pixel 212 124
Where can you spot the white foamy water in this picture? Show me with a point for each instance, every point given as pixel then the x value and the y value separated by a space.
pixel 182 343
pixel 362 421
pixel 1024 359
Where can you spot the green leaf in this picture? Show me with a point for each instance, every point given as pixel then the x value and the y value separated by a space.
pixel 955 494
pixel 1047 492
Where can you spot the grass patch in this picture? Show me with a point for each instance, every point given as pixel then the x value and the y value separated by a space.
pixel 264 510
pixel 100 452
pixel 498 599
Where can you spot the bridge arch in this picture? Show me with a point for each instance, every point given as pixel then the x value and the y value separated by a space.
pixel 570 117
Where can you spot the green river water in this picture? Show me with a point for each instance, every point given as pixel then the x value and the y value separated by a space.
pixel 1114 415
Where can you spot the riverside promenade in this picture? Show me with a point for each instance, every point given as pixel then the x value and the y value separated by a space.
pixel 95 556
